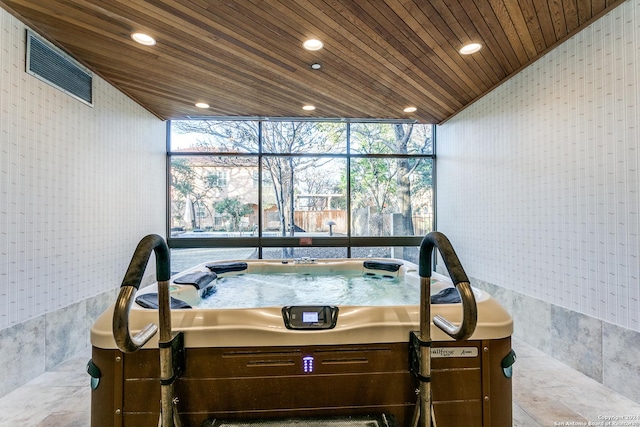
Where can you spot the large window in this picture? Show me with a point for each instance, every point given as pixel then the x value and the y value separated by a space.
pixel 291 189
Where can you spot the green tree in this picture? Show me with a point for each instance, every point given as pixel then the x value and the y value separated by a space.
pixel 197 184
pixel 386 183
pixel 233 210
pixel 181 186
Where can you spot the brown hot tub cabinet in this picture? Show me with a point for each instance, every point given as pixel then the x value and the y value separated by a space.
pixel 469 385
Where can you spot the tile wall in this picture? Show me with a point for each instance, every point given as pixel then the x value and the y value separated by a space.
pixel 538 192
pixel 79 187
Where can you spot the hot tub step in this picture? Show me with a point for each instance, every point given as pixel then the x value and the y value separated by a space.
pixel 361 421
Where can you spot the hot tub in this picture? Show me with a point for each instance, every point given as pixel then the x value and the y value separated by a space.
pixel 316 346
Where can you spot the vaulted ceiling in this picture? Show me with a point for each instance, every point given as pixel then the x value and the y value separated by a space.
pixel 245 57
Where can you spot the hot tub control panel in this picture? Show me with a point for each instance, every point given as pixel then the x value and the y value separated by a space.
pixel 310 317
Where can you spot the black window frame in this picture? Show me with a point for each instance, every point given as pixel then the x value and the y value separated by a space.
pixel 260 241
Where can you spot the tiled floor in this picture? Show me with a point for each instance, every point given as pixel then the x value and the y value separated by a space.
pixel 546 393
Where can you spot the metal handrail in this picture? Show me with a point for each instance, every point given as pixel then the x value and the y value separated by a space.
pixel 124 340
pixel 424 414
pixel 129 344
pixel 130 284
pixel 460 280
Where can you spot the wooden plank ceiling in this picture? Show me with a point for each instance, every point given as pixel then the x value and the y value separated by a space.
pixel 245 57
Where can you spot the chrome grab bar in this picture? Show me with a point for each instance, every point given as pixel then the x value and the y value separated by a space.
pixel 460 280
pixel 130 284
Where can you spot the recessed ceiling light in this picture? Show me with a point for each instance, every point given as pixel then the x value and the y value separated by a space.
pixel 313 44
pixel 470 48
pixel 316 66
pixel 202 105
pixel 144 39
pixel 308 107
pixel 410 110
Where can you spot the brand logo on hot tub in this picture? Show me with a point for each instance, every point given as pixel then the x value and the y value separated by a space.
pixel 307 364
pixel 454 352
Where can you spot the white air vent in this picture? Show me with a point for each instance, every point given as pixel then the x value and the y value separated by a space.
pixel 55 67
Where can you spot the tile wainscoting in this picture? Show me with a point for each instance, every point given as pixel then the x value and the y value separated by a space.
pixel 600 350
pixel 30 348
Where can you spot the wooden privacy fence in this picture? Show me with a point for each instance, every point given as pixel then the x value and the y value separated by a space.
pixel 318 222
